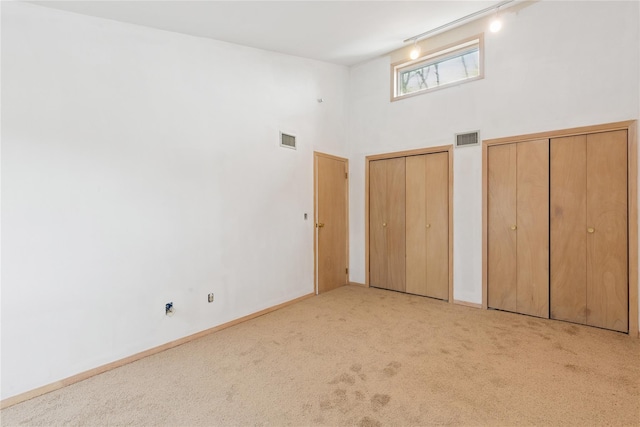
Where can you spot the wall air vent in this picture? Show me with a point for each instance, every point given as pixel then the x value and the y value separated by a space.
pixel 287 141
pixel 467 139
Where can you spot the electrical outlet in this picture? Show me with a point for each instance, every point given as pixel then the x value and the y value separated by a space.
pixel 168 308
pixel 210 298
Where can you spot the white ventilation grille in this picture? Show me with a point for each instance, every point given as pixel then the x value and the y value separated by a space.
pixel 287 141
pixel 467 139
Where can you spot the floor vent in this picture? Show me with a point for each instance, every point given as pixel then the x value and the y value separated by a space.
pixel 467 139
pixel 288 141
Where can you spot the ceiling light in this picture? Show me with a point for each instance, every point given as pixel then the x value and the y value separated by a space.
pixel 415 52
pixel 496 25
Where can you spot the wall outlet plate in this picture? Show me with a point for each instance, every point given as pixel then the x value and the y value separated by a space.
pixel 210 297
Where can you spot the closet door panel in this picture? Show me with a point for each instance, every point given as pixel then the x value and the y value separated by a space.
pixel 437 225
pixel 533 228
pixel 377 240
pixel 395 229
pixel 416 219
pixel 568 228
pixel 501 203
pixel 607 257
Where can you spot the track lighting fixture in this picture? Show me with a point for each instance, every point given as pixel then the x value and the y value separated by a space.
pixel 495 26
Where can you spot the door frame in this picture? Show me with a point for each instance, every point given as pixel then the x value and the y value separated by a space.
pixel 428 150
pixel 317 154
pixel 631 126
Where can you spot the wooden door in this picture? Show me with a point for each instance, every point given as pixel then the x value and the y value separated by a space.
pixel 387 223
pixel 438 225
pixel 518 220
pixel 501 221
pixel 395 228
pixel 532 228
pixel 331 222
pixel 589 256
pixel 568 214
pixel 427 227
pixel 378 263
pixel 607 271
pixel 416 211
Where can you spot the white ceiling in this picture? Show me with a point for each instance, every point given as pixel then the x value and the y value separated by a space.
pixel 341 32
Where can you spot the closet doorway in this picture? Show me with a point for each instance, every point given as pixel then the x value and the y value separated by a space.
pixel 409 222
pixel 560 225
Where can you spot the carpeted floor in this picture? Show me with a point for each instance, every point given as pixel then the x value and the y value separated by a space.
pixel 366 357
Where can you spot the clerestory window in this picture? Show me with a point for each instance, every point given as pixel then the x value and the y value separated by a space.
pixel 452 65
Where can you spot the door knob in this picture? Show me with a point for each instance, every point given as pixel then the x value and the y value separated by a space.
pixel 428 225
pixel 513 227
pixel 591 230
pixel 384 224
pixel 320 224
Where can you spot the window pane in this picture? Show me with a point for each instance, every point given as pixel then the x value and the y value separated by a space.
pixel 451 69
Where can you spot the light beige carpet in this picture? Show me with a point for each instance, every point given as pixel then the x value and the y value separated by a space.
pixel 366 357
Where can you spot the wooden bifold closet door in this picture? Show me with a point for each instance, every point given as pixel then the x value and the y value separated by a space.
pixel 518 227
pixel 387 223
pixel 409 217
pixel 589 230
pixel 557 228
pixel 427 216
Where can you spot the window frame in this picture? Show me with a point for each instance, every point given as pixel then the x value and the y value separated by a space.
pixel 434 56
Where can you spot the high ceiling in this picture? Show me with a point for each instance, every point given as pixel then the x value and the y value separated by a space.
pixel 341 32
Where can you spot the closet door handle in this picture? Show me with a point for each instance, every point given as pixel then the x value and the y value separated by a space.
pixel 513 227
pixel 428 225
pixel 591 230
pixel 384 224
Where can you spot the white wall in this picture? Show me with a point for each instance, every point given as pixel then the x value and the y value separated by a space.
pixel 141 167
pixel 554 65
